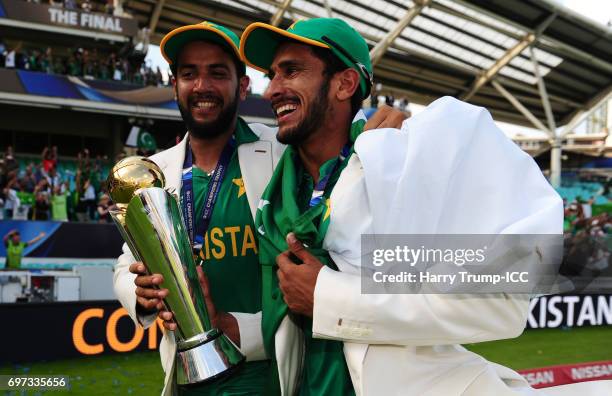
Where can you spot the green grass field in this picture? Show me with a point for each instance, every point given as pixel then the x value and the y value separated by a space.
pixel 126 374
pixel 141 373
pixel 549 347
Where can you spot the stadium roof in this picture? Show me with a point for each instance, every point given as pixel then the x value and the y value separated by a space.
pixel 482 51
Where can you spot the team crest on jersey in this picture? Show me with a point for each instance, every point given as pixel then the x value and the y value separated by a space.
pixel 327 209
pixel 240 183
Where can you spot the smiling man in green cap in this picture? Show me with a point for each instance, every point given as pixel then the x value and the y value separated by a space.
pixel 449 170
pixel 319 72
pixel 209 82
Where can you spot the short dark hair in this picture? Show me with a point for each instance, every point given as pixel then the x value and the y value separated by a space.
pixel 239 65
pixel 333 65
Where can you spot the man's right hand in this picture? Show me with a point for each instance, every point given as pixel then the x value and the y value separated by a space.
pixel 148 296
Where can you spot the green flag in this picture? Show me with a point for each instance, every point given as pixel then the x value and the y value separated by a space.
pixel 142 139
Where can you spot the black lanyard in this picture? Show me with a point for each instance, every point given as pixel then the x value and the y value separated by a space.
pixel 214 186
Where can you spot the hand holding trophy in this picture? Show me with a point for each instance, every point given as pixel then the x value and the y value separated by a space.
pixel 150 222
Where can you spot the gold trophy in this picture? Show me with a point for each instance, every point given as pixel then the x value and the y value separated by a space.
pixel 150 222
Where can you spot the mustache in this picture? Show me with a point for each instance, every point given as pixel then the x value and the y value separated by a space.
pixel 205 97
pixel 283 99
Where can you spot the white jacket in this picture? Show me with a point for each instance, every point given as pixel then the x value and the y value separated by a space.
pixel 448 170
pixel 257 161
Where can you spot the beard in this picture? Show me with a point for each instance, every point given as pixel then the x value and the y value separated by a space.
pixel 211 128
pixel 311 122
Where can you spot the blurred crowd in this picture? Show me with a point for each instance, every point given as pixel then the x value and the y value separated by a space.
pixel 107 6
pixel 37 190
pixel 401 104
pixel 81 62
pixel 578 215
pixel 127 64
pixel 377 99
pixel 587 230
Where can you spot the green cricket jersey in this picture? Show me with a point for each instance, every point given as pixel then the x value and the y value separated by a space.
pixel 59 207
pixel 230 261
pixel 14 251
pixel 288 209
pixel 325 371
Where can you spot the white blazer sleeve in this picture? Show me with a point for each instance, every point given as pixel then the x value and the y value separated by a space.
pixel 125 289
pixel 342 312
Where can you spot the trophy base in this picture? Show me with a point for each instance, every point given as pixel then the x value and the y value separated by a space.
pixel 207 358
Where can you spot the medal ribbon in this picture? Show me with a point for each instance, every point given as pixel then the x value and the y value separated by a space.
pixel 319 188
pixel 197 229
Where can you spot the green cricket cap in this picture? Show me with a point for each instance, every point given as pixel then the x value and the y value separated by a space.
pixel 260 41
pixel 173 42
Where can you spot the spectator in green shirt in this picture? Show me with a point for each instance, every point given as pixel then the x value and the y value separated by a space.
pixel 14 247
pixel 59 205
